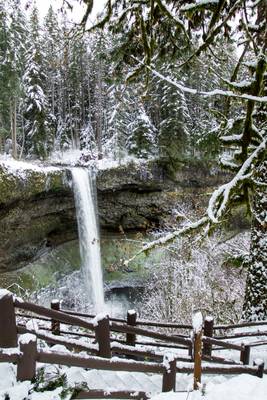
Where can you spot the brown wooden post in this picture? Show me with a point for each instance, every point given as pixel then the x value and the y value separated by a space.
pixel 26 367
pixel 190 350
pixel 102 333
pixel 131 320
pixel 260 365
pixel 8 329
pixel 245 354
pixel 55 325
pixel 169 376
pixel 197 359
pixel 208 331
pixel 197 343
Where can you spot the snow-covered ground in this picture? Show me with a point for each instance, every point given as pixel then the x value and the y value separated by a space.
pixel 242 387
pixel 70 158
pixel 20 168
pixel 213 387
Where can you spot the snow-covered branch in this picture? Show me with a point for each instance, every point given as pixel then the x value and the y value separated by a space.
pixel 170 237
pixel 217 207
pixel 211 93
pixel 221 197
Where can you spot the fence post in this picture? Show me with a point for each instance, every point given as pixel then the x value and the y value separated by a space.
pixel 27 363
pixel 102 333
pixel 8 328
pixel 55 325
pixel 190 350
pixel 245 354
pixel 197 341
pixel 131 320
pixel 260 364
pixel 169 375
pixel 208 331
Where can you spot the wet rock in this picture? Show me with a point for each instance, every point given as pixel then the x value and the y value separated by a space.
pixel 37 205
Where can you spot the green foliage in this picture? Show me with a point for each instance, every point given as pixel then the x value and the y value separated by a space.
pixel 49 382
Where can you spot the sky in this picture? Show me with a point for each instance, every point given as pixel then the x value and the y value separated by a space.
pixel 75 15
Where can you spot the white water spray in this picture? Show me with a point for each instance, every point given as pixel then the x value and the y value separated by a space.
pixel 88 235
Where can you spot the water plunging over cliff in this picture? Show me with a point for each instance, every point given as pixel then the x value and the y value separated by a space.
pixel 88 235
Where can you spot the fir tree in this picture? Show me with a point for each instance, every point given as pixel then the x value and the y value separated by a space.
pixel 36 121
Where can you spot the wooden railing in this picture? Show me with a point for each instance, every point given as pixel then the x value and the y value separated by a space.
pixel 103 330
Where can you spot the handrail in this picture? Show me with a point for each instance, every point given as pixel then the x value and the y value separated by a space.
pixel 163 324
pixel 56 315
pixel 138 322
pixel 80 314
pixel 242 335
pixel 10 358
pixel 260 343
pixel 70 343
pixel 113 364
pixel 155 324
pixel 32 317
pixel 155 335
pixel 131 350
pixel 112 394
pixel 221 343
pixel 240 325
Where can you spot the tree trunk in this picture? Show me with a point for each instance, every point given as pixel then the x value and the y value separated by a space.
pixel 255 304
pixel 99 111
pixel 14 128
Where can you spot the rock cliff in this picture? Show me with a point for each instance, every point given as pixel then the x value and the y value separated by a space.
pixel 37 205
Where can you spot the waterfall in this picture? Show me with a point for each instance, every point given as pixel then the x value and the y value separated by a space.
pixel 88 235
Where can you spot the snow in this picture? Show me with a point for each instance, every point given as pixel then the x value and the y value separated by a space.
pixel 211 93
pixel 27 338
pixel 199 3
pixel 69 157
pixel 176 19
pixel 209 318
pixel 220 198
pixel 243 387
pixel 231 138
pixel 20 168
pixel 4 293
pixel 9 351
pixel 197 321
pixel 169 237
pixel 55 301
pixel 258 361
pixel 98 317
pixel 168 357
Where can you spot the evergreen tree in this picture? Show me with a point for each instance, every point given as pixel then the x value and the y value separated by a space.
pixel 150 29
pixel 18 35
pixel 52 58
pixel 36 118
pixel 4 73
pixel 13 36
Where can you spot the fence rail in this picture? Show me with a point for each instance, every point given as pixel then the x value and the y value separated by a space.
pixel 199 345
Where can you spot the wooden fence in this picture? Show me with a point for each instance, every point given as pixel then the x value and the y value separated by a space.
pixel 104 331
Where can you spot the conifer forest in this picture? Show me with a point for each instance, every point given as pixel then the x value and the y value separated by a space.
pixel 133 159
pixel 181 83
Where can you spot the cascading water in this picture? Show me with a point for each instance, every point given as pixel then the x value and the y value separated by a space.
pixel 88 235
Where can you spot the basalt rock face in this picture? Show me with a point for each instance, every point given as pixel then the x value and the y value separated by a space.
pixel 37 205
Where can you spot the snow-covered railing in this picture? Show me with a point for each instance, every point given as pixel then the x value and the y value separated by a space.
pixel 19 344
pixel 157 324
pixel 130 328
